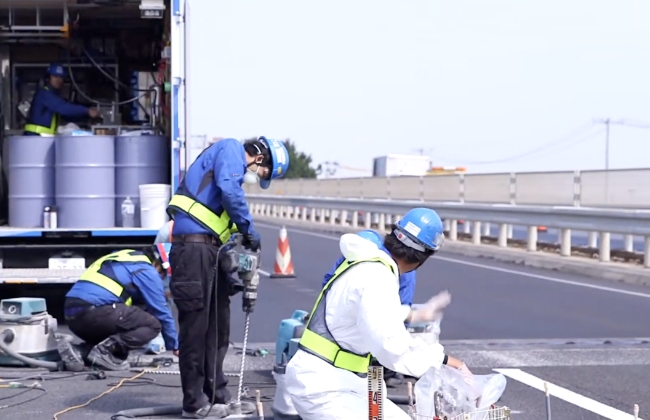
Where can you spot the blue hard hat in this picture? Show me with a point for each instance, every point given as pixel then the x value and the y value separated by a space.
pixel 421 229
pixel 56 69
pixel 279 160
pixel 372 236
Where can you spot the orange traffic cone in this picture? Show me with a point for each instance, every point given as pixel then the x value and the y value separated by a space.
pixel 283 267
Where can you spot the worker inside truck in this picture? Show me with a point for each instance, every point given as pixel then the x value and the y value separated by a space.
pixel 48 107
pixel 119 304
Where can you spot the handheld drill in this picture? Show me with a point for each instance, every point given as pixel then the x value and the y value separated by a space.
pixel 245 263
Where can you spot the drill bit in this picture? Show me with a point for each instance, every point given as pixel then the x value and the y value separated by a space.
pixel 240 388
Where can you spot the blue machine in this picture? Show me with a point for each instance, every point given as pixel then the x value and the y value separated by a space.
pixel 289 333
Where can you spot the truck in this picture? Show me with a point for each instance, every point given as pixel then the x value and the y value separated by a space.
pixel 131 54
pixel 400 165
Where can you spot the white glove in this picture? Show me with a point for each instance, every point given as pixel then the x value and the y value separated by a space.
pixel 432 310
pixel 468 378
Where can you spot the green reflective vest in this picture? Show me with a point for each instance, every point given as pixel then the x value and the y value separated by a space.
pixel 317 339
pixel 37 129
pixel 93 274
pixel 220 225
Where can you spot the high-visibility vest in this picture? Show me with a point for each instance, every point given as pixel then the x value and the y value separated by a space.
pixel 97 273
pixel 38 129
pixel 317 339
pixel 219 225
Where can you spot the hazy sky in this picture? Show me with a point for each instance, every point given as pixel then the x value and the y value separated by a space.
pixel 468 81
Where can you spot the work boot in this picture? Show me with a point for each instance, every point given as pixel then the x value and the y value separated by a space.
pixel 69 354
pixel 103 355
pixel 218 411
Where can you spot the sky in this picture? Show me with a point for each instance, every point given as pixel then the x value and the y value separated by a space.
pixel 492 85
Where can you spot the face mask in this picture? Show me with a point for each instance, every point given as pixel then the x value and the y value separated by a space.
pixel 251 178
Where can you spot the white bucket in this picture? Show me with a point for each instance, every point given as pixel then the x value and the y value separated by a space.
pixel 154 199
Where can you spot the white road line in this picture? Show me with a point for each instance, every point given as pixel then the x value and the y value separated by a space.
pixel 264 273
pixel 489 267
pixel 566 395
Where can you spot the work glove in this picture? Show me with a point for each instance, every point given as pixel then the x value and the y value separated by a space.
pixel 432 310
pixel 252 241
pixel 468 378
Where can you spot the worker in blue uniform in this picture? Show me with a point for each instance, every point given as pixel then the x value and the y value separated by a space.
pixel 105 306
pixel 208 207
pixel 406 291
pixel 48 107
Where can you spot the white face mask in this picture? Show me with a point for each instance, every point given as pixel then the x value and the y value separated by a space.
pixel 251 178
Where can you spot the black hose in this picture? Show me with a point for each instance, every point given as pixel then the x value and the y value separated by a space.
pixel 166 410
pixel 8 335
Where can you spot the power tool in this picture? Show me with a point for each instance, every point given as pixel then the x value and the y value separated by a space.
pixel 237 258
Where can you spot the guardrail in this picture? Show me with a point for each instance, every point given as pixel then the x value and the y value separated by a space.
pixel 359 213
pixel 627 188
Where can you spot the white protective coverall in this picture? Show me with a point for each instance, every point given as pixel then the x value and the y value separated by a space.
pixel 364 315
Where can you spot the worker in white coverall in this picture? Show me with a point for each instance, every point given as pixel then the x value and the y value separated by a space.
pixel 358 316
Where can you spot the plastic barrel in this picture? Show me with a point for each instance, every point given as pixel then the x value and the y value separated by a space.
pixel 30 164
pixel 154 199
pixel 85 181
pixel 138 160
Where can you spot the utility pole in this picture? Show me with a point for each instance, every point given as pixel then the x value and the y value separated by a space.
pixel 608 122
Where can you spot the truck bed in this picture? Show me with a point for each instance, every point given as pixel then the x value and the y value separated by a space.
pixel 6 231
pixel 38 276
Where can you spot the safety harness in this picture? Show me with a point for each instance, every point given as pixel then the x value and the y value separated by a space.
pixel 100 274
pixel 219 224
pixel 39 129
pixel 317 338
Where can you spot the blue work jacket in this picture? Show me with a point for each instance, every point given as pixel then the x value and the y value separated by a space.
pixel 406 283
pixel 47 102
pixel 143 284
pixel 223 164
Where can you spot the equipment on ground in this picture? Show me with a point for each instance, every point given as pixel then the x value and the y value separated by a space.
pixel 28 334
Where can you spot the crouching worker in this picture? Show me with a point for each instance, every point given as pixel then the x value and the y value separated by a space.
pixel 358 316
pixel 102 308
pixel 407 283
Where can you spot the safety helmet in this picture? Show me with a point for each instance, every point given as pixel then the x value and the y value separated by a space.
pixel 161 253
pixel 421 229
pixel 56 69
pixel 372 236
pixel 279 160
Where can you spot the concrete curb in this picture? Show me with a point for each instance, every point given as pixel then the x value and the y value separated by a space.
pixel 615 272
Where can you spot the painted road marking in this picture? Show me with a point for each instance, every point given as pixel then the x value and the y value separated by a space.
pixel 566 395
pixel 502 270
pixel 264 273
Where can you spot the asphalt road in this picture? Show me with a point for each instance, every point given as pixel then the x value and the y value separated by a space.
pixel 583 336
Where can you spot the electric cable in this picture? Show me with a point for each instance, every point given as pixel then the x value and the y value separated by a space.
pixel 25 389
pixel 90 401
pixel 88 98
pixel 569 139
pixel 122 84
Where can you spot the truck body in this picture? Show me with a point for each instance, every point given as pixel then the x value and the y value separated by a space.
pixel 145 37
pixel 400 165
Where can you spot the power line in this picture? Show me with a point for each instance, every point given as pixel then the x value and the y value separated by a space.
pixel 569 139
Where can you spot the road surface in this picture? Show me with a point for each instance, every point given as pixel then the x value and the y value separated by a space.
pixel 583 336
